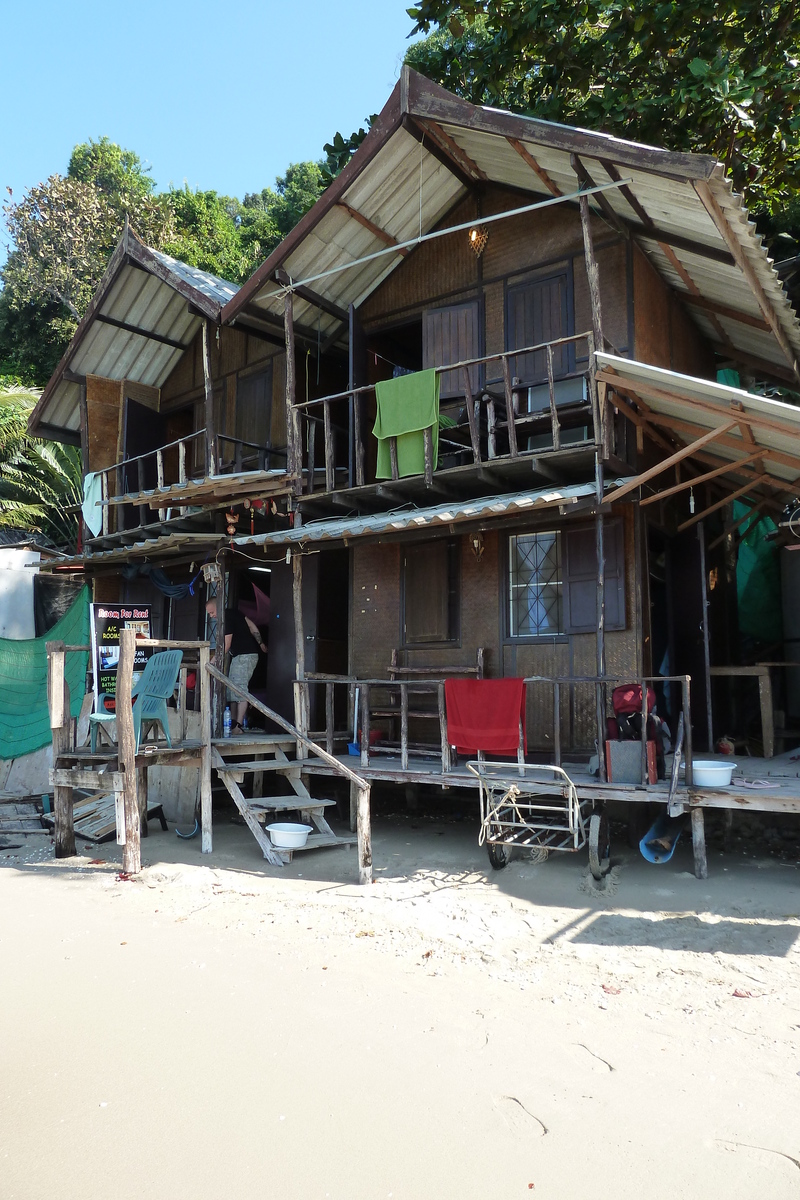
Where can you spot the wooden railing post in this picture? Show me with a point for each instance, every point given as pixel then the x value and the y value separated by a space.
pixel 557 722
pixel 510 414
pixel 555 424
pixel 473 424
pixel 443 729
pixel 404 726
pixel 427 439
pixel 329 730
pixel 330 449
pixel 205 684
pixel 645 770
pixel 60 723
pixel 687 728
pixel 162 512
pixel 491 423
pixel 358 440
pixel 126 741
pixel 364 724
pixel 311 427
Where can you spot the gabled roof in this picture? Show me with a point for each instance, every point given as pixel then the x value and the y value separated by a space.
pixel 142 318
pixel 428 149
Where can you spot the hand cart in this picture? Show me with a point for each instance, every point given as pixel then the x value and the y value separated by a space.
pixel 537 807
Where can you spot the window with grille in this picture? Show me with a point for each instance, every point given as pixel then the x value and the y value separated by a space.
pixel 535 585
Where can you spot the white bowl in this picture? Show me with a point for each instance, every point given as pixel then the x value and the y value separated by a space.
pixel 711 774
pixel 288 836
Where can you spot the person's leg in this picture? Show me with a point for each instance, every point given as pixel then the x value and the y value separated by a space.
pixel 241 711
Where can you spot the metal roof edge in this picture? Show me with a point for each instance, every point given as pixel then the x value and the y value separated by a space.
pixel 428 99
pixel 436 516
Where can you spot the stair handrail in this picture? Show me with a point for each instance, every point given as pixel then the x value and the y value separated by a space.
pixel 361 785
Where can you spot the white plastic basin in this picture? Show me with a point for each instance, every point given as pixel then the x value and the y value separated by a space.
pixel 711 774
pixel 287 835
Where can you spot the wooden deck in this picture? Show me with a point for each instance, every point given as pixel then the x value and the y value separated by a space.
pixel 781 774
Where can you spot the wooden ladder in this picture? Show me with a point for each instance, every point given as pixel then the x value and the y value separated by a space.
pixel 254 811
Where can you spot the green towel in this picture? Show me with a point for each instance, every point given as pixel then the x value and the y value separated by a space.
pixel 406 406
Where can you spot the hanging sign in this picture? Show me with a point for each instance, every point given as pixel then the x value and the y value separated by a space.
pixel 107 621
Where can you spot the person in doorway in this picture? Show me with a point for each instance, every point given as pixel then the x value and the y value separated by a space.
pixel 242 641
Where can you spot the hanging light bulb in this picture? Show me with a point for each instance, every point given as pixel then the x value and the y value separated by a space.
pixel 691 501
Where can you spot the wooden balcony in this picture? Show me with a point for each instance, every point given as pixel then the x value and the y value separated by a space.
pixel 495 434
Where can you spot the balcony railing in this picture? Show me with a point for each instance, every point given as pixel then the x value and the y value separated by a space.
pixel 177 464
pixel 504 418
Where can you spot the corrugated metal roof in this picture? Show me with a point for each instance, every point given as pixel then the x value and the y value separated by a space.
pixel 144 292
pixel 399 183
pixel 670 398
pixel 400 520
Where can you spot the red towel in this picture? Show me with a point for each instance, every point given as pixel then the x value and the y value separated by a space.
pixel 484 714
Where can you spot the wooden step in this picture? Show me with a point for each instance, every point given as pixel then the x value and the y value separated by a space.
pixel 316 841
pixel 287 804
pixel 249 742
pixel 268 764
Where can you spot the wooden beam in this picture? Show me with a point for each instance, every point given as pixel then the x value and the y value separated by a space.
pixel 748 487
pixel 451 147
pixel 126 739
pixel 379 233
pixel 745 266
pixel 585 181
pixel 696 480
pixel 645 390
pixel 208 389
pixel 144 333
pixel 665 464
pixel 639 420
pixel 310 296
pixel 732 526
pixel 724 310
pixel 538 170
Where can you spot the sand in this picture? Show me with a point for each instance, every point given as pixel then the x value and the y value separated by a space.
pixel 219 1028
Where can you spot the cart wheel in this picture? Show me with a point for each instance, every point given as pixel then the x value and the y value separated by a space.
pixel 499 856
pixel 599 844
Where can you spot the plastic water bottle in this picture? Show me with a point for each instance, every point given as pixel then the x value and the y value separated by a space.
pixel 226 721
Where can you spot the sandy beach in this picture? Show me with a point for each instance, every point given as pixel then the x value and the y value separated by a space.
pixel 219 1028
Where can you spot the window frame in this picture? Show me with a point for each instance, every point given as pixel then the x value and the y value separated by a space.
pixel 516 639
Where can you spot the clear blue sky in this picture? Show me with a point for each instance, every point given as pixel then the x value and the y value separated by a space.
pixel 220 96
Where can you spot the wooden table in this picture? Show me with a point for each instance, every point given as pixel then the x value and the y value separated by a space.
pixel 760 672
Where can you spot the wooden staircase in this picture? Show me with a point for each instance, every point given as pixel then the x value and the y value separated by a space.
pixel 233 758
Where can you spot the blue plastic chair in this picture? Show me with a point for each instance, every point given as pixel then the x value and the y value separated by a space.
pixel 156 685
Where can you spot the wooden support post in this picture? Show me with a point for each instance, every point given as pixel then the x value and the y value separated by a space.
pixel 701 537
pixel 216 576
pixel 294 454
pixel 353 806
pixel 404 726
pixel 204 683
pixel 592 274
pixel 469 400
pixel 104 490
pixel 364 832
pixel 510 413
pixel 141 797
pixel 427 439
pixel 767 716
pixel 393 458
pixel 359 441
pixel 686 703
pixel 443 729
pixel 182 699
pixel 330 450
pixel 60 724
pixel 126 740
pixel 364 724
pixel 699 843
pixel 329 717
pixel 208 391
pixel 555 424
pixel 301 715
pixel 557 722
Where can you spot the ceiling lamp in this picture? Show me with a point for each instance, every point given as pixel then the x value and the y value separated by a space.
pixel 478 237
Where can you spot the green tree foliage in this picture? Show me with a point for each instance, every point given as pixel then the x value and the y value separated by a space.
pixel 64 230
pixel 718 77
pixel 39 480
pixel 339 152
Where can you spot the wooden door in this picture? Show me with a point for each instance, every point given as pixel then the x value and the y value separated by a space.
pixel 451 335
pixel 539 311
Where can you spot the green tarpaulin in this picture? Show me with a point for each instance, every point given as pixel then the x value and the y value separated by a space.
pixel 24 716
pixel 758 580
pixel 406 406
